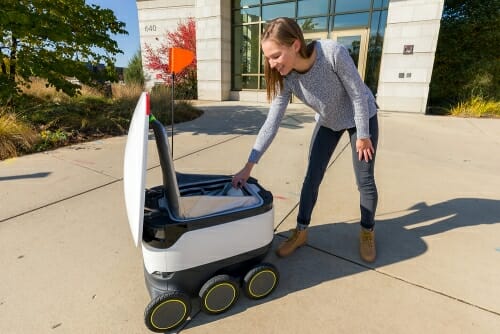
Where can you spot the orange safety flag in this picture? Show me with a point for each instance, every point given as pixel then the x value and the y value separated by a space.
pixel 179 59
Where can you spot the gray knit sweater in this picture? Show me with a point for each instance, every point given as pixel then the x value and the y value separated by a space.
pixel 332 87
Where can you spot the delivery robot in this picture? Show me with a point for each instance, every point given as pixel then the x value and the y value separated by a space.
pixel 202 240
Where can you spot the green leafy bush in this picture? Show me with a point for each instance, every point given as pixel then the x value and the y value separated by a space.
pixel 466 62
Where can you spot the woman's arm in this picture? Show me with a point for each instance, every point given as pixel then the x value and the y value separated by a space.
pixel 356 89
pixel 265 137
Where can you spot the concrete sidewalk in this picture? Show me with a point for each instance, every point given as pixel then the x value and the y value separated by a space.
pixel 69 264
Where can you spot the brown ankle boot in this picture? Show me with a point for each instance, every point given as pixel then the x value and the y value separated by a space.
pixel 367 249
pixel 297 239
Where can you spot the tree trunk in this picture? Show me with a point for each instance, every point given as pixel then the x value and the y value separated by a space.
pixel 12 63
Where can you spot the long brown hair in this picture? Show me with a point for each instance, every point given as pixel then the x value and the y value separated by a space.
pixel 284 31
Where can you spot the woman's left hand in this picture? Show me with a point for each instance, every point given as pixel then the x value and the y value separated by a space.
pixel 365 149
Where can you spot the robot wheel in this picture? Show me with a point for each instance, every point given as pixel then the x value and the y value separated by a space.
pixel 260 281
pixel 218 294
pixel 167 311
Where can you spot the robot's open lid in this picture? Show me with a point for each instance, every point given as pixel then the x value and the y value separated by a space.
pixel 134 167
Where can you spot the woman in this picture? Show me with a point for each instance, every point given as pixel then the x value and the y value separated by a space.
pixel 324 77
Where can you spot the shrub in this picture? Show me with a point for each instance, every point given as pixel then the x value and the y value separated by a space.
pixel 15 135
pixel 51 139
pixel 43 119
pixel 477 106
pixel 161 106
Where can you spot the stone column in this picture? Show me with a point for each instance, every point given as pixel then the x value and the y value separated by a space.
pixel 408 54
pixel 213 49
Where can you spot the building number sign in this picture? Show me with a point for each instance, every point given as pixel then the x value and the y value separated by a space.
pixel 150 27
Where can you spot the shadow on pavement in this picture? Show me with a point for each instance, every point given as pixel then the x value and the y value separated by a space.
pixel 399 238
pixel 219 120
pixel 25 176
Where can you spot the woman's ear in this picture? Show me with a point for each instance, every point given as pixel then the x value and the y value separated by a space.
pixel 296 45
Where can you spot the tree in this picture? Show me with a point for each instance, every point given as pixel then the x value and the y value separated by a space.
pixel 157 59
pixel 134 73
pixel 467 62
pixel 56 39
pixel 308 25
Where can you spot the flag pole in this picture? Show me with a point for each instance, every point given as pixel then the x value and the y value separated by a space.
pixel 172 124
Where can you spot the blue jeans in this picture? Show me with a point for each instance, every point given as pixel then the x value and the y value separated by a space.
pixel 322 147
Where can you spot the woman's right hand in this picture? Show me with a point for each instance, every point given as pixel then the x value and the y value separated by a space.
pixel 240 178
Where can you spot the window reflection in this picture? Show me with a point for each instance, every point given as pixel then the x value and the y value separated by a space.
pixel 375 44
pixel 246 49
pixel 312 7
pixel 313 16
pixel 352 5
pixel 316 24
pixel 352 44
pixel 273 11
pixel 351 20
pixel 249 82
pixel 246 15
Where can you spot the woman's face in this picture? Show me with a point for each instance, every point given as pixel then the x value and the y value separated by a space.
pixel 281 57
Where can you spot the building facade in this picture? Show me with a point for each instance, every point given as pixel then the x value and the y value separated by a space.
pixel 392 42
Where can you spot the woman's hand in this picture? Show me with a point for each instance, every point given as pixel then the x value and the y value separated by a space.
pixel 365 149
pixel 240 178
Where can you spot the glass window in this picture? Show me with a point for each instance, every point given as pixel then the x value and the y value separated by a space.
pixel 246 15
pixel 351 5
pixel 249 82
pixel 262 82
pixel 312 7
pixel 246 49
pixel 316 24
pixel 380 3
pixel 383 22
pixel 375 49
pixel 280 10
pixel 375 23
pixel 350 20
pixel 237 83
pixel 243 3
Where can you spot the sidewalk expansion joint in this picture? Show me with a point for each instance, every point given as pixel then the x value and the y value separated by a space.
pixel 482 131
pixel 367 267
pixel 85 167
pixel 463 301
pixel 60 200
pixel 108 183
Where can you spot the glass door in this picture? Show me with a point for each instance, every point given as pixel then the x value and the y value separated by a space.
pixel 356 42
pixel 314 36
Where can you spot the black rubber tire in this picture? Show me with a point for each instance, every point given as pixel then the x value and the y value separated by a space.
pixel 167 311
pixel 260 281
pixel 218 294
